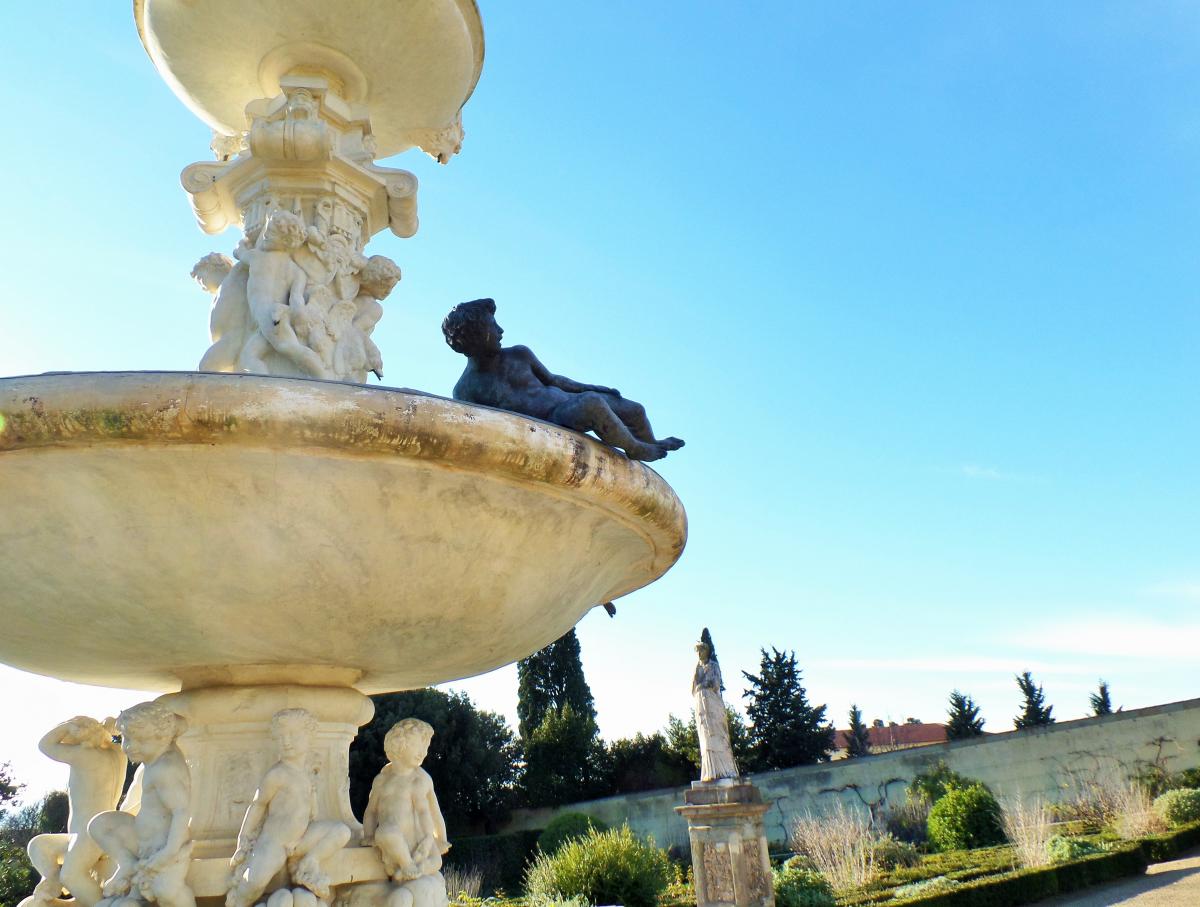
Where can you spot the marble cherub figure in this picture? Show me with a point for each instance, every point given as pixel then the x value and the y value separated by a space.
pixel 275 288
pixel 378 277
pixel 153 848
pixel 280 828
pixel 404 819
pixel 512 378
pixel 74 861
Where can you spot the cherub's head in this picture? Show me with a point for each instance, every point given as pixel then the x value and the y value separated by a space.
pixel 85 731
pixel 378 276
pixel 148 729
pixel 211 270
pixel 407 743
pixel 284 231
pixel 471 328
pixel 292 731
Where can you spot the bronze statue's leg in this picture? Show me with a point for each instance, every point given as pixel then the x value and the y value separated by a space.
pixel 591 412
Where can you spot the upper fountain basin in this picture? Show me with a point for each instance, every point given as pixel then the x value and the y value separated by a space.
pixel 169 529
pixel 413 63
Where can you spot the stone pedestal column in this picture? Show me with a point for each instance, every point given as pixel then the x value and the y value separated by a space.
pixel 729 846
pixel 229 748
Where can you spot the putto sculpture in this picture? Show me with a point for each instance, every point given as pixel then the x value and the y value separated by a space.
pixel 74 861
pixel 513 378
pixel 152 849
pixel 404 821
pixel 712 722
pixel 280 829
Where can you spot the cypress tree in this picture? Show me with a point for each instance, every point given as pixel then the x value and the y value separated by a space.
pixel 548 680
pixel 1101 700
pixel 1035 711
pixel 964 720
pixel 858 739
pixel 564 756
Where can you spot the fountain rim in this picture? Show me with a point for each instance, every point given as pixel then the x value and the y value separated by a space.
pixel 86 409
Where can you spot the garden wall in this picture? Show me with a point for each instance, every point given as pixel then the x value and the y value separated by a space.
pixel 1041 761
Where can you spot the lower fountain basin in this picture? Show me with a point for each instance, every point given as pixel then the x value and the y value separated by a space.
pixel 167 530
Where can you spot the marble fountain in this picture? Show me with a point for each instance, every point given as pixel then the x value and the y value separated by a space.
pixel 267 540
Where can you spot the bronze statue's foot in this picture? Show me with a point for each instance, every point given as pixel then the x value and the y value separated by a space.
pixel 670 443
pixel 645 452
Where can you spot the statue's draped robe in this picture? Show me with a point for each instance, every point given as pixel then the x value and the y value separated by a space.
pixel 712 725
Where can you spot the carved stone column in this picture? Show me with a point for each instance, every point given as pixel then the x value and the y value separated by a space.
pixel 729 846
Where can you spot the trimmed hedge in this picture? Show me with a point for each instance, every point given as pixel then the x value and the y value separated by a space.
pixel 1025 886
pixel 501 859
pixel 1160 848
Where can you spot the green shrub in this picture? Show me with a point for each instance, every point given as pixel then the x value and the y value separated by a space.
pixel 1178 807
pixel 934 784
pixel 1063 849
pixel 565 827
pixel 964 818
pixel 1188 778
pixel 603 867
pixel 500 859
pixel 888 853
pixel 798 885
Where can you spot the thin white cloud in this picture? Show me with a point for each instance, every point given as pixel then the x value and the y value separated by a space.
pixel 1120 637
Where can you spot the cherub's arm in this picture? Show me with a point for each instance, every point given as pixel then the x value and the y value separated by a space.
pixel 570 385
pixel 371 814
pixel 174 791
pixel 437 820
pixel 256 814
pixel 52 743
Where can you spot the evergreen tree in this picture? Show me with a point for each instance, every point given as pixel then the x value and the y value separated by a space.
pixel 964 720
pixel 1035 711
pixel 1101 701
pixel 858 738
pixel 564 760
pixel 548 680
pixel 785 729
pixel 564 755
pixel 472 758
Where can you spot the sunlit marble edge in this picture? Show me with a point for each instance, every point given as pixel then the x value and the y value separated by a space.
pixel 87 408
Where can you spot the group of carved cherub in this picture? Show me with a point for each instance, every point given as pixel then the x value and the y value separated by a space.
pixel 139 853
pixel 302 300
pixel 299 300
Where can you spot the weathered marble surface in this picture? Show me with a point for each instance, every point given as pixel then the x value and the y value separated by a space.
pixel 222 529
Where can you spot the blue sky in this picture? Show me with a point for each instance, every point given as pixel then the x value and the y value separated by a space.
pixel 918 283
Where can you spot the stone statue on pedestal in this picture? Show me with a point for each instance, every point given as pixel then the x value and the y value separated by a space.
pixel 712 722
pixel 512 378
pixel 723 810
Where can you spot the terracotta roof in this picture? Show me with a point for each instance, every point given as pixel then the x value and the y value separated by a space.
pixel 898 735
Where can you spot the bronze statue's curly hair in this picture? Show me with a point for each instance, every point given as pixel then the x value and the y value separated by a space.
pixel 463 322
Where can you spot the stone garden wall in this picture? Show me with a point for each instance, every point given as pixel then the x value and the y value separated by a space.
pixel 1017 763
